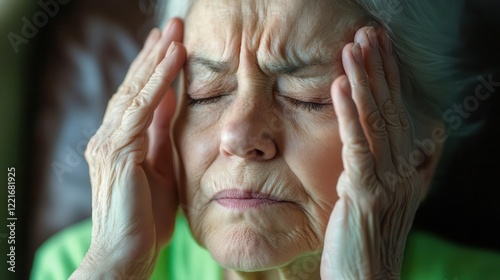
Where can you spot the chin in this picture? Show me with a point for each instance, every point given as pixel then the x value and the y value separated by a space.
pixel 255 240
pixel 244 248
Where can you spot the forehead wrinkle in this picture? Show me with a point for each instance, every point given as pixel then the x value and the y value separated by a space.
pixel 216 28
pixel 282 57
pixel 295 39
pixel 293 67
pixel 289 40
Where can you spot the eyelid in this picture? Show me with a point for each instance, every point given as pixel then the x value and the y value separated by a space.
pixel 306 105
pixel 206 89
pixel 309 100
pixel 206 76
pixel 322 98
pixel 205 101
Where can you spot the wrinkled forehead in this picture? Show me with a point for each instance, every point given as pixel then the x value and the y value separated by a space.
pixel 222 26
pixel 238 8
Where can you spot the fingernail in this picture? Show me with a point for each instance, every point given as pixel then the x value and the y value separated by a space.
pixel 356 51
pixel 372 36
pixel 171 49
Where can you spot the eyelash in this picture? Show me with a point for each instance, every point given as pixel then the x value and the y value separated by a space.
pixel 204 101
pixel 309 106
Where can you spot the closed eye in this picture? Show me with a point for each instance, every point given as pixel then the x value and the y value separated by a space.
pixel 204 101
pixel 306 105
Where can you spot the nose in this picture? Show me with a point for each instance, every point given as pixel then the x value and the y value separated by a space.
pixel 246 133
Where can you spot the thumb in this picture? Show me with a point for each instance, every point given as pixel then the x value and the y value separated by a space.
pixel 159 153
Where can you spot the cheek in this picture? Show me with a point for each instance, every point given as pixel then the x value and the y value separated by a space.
pixel 198 150
pixel 197 145
pixel 316 159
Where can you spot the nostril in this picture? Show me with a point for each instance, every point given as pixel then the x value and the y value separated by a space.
pixel 259 153
pixel 247 139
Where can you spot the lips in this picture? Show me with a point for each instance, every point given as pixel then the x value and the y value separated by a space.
pixel 239 199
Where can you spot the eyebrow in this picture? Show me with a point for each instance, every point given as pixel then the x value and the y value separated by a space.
pixel 273 68
pixel 212 65
pixel 293 68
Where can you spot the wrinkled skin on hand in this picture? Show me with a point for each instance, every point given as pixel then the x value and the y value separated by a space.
pixel 134 195
pixel 367 231
pixel 134 199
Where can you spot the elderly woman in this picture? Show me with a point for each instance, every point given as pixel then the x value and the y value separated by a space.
pixel 300 149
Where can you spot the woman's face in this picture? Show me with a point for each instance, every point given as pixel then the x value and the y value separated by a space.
pixel 256 135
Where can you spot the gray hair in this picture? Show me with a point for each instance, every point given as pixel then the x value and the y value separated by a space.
pixel 426 36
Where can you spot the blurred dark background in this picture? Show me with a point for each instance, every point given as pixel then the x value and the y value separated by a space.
pixel 465 203
pixel 463 207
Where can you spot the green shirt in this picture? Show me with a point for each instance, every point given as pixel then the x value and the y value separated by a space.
pixel 426 257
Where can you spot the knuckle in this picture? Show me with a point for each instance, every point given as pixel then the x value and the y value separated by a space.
pixel 369 180
pixel 123 89
pixel 132 87
pixel 140 101
pixel 376 123
pixel 379 71
pixel 403 118
pixel 389 108
pixel 135 86
pixel 99 149
pixel 358 150
pixel 361 82
pixel 160 76
pixel 390 113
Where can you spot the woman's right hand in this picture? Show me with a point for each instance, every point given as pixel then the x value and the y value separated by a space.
pixel 134 199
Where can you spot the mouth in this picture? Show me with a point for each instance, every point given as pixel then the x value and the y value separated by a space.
pixel 242 200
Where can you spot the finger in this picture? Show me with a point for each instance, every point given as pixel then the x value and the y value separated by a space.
pixel 152 39
pixel 160 154
pixel 172 33
pixel 138 116
pixel 367 38
pixel 356 154
pixel 116 101
pixel 369 115
pixel 134 84
pixel 392 73
pixel 393 78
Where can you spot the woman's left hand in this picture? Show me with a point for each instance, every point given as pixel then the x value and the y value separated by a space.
pixel 379 190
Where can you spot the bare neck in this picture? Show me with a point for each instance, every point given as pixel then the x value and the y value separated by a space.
pixel 306 268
